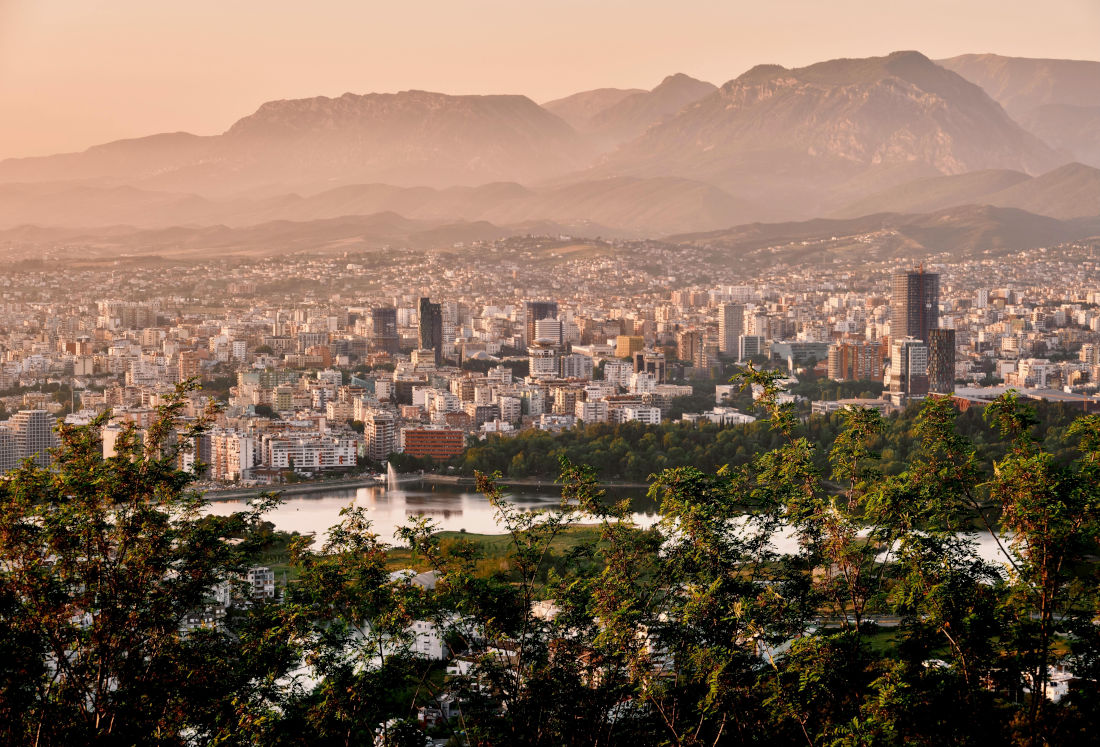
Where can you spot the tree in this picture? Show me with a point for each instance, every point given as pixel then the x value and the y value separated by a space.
pixel 580 626
pixel 101 563
pixel 1051 511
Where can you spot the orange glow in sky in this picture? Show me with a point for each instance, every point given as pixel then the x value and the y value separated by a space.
pixel 74 73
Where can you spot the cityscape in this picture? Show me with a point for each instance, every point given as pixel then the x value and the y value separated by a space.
pixel 326 363
pixel 550 374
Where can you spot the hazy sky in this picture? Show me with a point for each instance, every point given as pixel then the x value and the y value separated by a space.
pixel 79 72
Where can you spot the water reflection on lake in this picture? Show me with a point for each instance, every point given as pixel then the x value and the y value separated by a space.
pixel 452 508
pixel 455 508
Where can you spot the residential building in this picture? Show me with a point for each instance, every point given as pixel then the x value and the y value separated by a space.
pixel 731 319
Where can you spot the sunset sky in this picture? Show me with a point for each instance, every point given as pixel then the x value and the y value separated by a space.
pixel 74 73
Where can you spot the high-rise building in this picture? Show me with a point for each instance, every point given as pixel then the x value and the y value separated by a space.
pixel 436 442
pixel 543 361
pixel 731 318
pixel 941 361
pixel 915 306
pixel 190 365
pixel 576 366
pixel 908 373
pixel 34 435
pixel 691 347
pixel 385 338
pixel 9 450
pixel 751 346
pixel 548 330
pixel 617 373
pixel 431 328
pixel 537 310
pixel 855 360
pixel 380 431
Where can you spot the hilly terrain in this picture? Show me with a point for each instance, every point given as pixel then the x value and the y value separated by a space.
pixel 956 233
pixel 844 138
pixel 620 206
pixel 608 117
pixel 821 136
pixel 631 116
pixel 409 138
pixel 1057 100
pixel 273 238
pixel 1070 191
pixel 579 108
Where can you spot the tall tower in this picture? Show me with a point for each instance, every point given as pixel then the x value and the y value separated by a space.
pixel 9 450
pixel 536 310
pixel 941 361
pixel 385 337
pixel 431 328
pixel 908 373
pixel 915 306
pixel 380 430
pixel 731 322
pixel 34 435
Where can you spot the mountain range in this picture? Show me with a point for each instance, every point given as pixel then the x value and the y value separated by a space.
pixel 1058 100
pixel 846 138
pixel 617 116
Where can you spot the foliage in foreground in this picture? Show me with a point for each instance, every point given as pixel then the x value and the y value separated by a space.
pixel 884 626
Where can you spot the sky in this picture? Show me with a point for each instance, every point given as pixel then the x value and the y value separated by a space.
pixel 74 73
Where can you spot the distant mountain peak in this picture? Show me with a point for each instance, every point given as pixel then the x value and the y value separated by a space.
pixel 810 135
pixel 677 79
pixel 757 72
pixel 909 54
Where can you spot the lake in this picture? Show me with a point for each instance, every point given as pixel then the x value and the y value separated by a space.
pixel 456 508
pixel 453 508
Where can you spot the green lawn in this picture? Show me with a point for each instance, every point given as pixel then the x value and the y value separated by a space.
pixel 497 547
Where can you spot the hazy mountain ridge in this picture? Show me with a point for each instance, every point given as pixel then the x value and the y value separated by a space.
pixel 273 238
pixel 625 206
pixel 409 138
pixel 844 125
pixel 1070 191
pixel 578 108
pixel 842 137
pixel 1058 100
pixel 1022 84
pixel 633 115
pixel 960 231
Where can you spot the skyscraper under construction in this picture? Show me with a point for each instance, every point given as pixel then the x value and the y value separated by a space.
pixel 915 306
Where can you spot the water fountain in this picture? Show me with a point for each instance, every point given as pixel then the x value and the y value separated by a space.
pixel 391 476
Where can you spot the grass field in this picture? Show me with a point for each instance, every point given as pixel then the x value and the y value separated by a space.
pixel 497 547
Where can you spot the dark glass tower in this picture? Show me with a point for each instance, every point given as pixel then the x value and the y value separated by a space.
pixel 941 361
pixel 915 306
pixel 431 328
pixel 385 337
